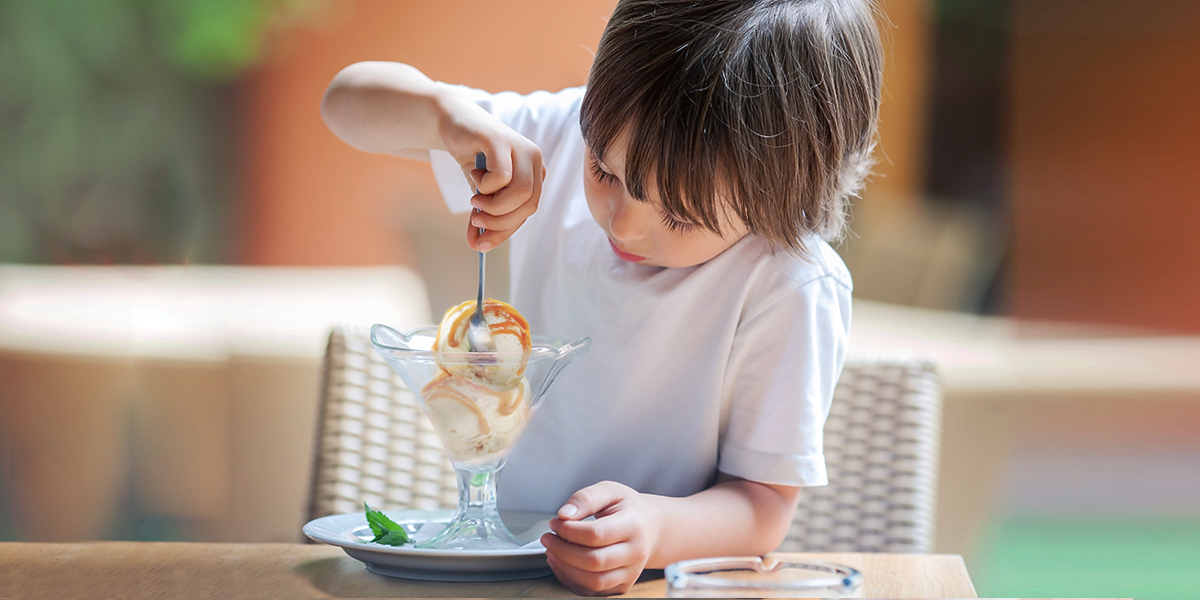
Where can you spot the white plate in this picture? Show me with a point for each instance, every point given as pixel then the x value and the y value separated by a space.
pixel 351 532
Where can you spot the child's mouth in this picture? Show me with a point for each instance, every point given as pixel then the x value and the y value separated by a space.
pixel 625 255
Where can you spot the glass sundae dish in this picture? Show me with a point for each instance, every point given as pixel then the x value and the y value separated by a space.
pixel 478 403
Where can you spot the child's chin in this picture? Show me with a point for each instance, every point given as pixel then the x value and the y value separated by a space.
pixel 665 264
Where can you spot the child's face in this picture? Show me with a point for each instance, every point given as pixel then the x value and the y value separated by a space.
pixel 638 231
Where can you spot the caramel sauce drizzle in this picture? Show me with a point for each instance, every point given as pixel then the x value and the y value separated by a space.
pixel 509 322
pixel 510 400
pixel 442 386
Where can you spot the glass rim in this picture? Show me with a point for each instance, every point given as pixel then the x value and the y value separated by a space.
pixel 695 573
pixel 544 347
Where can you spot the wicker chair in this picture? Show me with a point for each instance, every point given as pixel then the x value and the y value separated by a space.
pixel 374 443
pixel 881 452
pixel 881 443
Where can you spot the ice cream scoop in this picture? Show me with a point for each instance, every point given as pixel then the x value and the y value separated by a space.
pixel 475 422
pixel 500 371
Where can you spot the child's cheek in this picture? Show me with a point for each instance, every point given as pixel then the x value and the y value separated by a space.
pixel 598 208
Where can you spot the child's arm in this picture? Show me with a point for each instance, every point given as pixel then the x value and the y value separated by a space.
pixel 392 108
pixel 635 531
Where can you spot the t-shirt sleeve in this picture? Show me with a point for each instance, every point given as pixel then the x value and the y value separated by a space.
pixel 784 364
pixel 544 118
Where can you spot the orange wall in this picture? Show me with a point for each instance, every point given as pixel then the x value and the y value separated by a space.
pixel 1106 165
pixel 309 199
pixel 903 116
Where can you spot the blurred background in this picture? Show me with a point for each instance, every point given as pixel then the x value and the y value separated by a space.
pixel 178 231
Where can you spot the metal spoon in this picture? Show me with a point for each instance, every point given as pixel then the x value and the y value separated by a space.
pixel 479 336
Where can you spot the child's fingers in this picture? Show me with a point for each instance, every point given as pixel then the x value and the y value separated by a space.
pixel 475 175
pixel 539 176
pixel 504 222
pixel 593 499
pixel 487 240
pixel 587 583
pixel 507 192
pixel 604 558
pixel 604 531
pixel 499 172
pixel 517 194
pixel 473 235
pixel 524 185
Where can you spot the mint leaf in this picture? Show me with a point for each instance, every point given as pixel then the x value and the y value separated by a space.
pixel 392 538
pixel 385 528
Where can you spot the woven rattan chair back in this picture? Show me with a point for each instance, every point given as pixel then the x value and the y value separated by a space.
pixel 374 444
pixel 881 453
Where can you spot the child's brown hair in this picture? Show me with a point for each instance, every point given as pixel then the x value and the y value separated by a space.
pixel 765 108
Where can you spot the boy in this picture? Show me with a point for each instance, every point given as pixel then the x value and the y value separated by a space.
pixel 675 211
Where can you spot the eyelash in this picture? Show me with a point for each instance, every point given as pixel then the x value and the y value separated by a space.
pixel 601 175
pixel 677 226
pixel 606 178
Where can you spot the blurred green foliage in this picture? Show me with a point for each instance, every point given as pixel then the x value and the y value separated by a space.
pixel 115 136
pixel 216 39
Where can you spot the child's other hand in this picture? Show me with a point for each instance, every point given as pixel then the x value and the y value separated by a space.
pixel 604 556
pixel 512 185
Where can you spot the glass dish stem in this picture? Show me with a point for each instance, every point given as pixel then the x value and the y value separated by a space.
pixel 476 524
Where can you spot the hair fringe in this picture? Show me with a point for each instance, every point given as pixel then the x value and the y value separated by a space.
pixel 765 108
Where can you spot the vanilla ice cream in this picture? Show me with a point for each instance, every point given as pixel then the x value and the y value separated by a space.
pixel 479 404
pixel 474 421
pixel 509 330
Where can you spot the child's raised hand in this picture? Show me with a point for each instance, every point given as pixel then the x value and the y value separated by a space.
pixel 394 108
pixel 606 555
pixel 512 185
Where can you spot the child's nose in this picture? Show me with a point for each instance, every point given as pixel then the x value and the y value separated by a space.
pixel 628 219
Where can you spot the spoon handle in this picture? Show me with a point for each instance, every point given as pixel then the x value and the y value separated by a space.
pixel 481 164
pixel 479 298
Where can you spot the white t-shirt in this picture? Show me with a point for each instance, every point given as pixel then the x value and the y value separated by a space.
pixel 729 365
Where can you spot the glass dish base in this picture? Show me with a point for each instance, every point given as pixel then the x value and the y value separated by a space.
pixel 476 524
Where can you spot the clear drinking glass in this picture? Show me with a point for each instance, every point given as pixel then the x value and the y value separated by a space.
pixel 755 577
pixel 476 423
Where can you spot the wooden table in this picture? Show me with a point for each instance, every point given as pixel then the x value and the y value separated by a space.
pixel 146 569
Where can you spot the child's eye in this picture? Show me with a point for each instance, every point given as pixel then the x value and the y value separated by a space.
pixel 677 225
pixel 601 175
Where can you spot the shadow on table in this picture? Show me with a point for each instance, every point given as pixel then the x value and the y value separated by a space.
pixel 344 577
